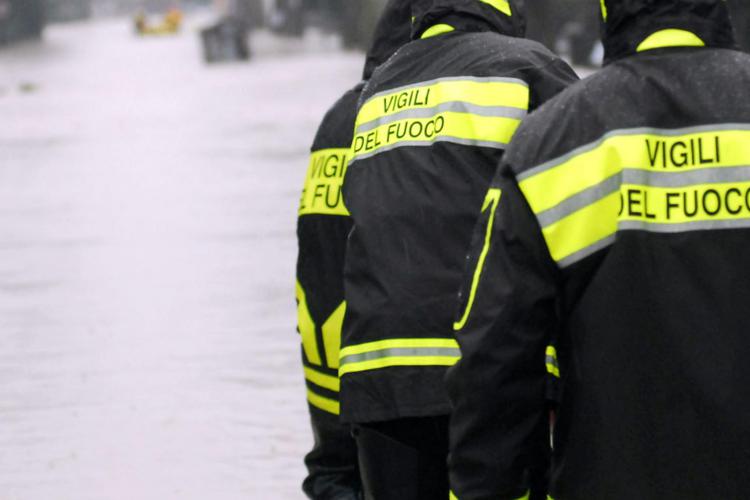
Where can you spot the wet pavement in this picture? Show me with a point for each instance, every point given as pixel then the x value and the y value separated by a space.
pixel 147 216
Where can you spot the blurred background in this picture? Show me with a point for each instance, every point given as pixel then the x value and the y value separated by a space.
pixel 152 154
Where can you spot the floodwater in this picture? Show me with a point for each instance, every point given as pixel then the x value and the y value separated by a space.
pixel 147 215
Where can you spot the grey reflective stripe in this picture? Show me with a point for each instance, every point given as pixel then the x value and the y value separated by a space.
pixel 430 142
pixel 478 79
pixel 579 200
pixel 710 175
pixel 585 252
pixel 625 132
pixel 453 106
pixel 551 360
pixel 394 352
pixel 702 225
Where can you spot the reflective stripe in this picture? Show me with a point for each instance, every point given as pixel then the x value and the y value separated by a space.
pixel 550 360
pixel 604 9
pixel 398 352
pixel 491 201
pixel 306 327
pixel 474 111
pixel 577 197
pixel 323 380
pixel 670 38
pixel 501 5
pixel 454 106
pixel 323 403
pixel 325 174
pixel 332 335
pixel 454 139
pixel 436 30
pixel 452 496
pixel 481 91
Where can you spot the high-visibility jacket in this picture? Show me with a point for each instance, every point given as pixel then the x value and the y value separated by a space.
pixel 322 229
pixel 619 222
pixel 432 125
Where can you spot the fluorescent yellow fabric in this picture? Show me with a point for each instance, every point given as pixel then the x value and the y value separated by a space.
pixel 325 175
pixel 641 179
pixel 436 30
pixel 551 361
pixel 323 380
pixel 332 335
pixel 670 38
pixel 501 5
pixel 398 352
pixel 306 327
pixel 491 201
pixel 323 403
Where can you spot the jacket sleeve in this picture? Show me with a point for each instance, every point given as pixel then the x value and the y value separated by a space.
pixel 332 468
pixel 499 433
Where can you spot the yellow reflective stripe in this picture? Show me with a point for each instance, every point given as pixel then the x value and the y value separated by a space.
pixel 323 403
pixel 436 30
pixel 586 227
pixel 501 5
pixel 375 364
pixel 461 128
pixel 332 335
pixel 551 361
pixel 306 327
pixel 398 352
pixel 576 198
pixel 322 190
pixel 604 9
pixel 480 91
pixel 452 496
pixel 323 380
pixel 491 200
pixel 380 345
pixel 670 38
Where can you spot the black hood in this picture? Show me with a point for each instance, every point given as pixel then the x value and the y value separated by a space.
pixel 628 23
pixel 392 31
pixel 471 15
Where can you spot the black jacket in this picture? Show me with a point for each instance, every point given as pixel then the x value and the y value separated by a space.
pixel 622 229
pixel 322 229
pixel 432 125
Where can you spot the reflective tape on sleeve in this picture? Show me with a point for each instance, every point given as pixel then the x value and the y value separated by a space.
pixel 398 352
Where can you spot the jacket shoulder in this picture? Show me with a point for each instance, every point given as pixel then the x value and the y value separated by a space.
pixel 572 118
pixel 336 130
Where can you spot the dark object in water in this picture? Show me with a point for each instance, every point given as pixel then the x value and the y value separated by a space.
pixel 225 41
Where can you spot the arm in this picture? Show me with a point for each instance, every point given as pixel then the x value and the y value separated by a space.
pixel 499 429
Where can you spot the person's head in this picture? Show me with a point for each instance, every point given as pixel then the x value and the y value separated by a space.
pixel 503 16
pixel 631 26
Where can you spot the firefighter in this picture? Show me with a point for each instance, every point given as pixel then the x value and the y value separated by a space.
pixel 322 228
pixel 432 125
pixel 620 226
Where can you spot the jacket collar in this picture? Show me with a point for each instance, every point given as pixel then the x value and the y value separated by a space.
pixel 434 17
pixel 633 26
